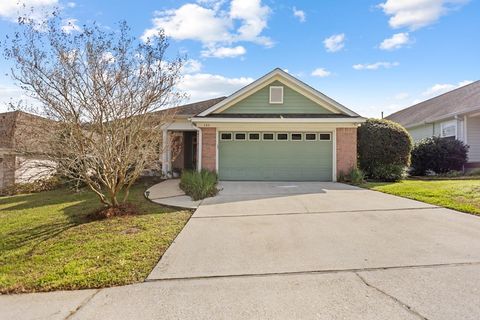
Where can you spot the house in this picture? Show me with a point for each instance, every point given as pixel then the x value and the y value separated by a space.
pixel 454 115
pixel 277 128
pixel 18 129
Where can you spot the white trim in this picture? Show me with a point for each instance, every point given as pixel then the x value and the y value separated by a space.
pixel 329 133
pixel 216 149
pixel 235 136
pixel 316 136
pixel 465 129
pixel 334 155
pixel 270 95
pixel 272 133
pixel 199 151
pixel 226 132
pixel 287 133
pixel 449 123
pixel 165 150
pixel 301 136
pixel 254 132
pixel 259 83
pixel 279 120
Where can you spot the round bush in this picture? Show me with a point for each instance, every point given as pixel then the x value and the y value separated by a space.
pixel 383 149
pixel 439 155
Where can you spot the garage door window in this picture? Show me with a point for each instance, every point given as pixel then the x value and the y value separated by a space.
pixel 296 137
pixel 268 136
pixel 226 136
pixel 254 136
pixel 240 136
pixel 325 136
pixel 282 136
pixel 310 136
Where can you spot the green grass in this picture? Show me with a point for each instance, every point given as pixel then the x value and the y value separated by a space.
pixel 48 243
pixel 461 195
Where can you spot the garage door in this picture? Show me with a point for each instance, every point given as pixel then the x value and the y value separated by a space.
pixel 275 156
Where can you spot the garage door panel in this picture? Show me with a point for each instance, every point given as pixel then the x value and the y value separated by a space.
pixel 275 160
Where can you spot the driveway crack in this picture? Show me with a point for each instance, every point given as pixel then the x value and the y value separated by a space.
pixel 396 300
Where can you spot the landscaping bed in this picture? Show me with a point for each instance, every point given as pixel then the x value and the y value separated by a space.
pixel 458 194
pixel 48 241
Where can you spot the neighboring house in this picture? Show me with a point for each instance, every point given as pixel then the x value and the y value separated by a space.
pixel 455 115
pixel 16 130
pixel 276 128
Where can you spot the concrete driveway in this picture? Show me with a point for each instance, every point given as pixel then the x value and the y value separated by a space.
pixel 303 251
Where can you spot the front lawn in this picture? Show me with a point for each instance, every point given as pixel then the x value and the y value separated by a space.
pixel 47 241
pixel 461 195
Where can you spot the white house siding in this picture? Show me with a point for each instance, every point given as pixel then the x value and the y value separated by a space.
pixel 29 170
pixel 473 138
pixel 421 132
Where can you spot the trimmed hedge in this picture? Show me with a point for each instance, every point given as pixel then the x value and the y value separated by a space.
pixel 440 155
pixel 383 149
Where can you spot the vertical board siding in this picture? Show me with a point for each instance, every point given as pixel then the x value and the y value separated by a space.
pixel 293 102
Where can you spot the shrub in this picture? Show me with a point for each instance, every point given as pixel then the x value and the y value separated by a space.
pixel 199 185
pixel 47 184
pixel 439 155
pixel 474 172
pixel 383 149
pixel 355 176
pixel 388 172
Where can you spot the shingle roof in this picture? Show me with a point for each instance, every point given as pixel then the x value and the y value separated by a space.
pixel 195 108
pixel 283 115
pixel 459 101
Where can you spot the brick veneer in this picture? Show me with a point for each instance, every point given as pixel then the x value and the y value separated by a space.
pixel 346 149
pixel 209 148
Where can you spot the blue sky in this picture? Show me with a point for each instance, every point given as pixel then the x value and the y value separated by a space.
pixel 372 56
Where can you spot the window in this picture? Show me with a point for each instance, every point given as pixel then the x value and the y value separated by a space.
pixel 296 137
pixel 254 136
pixel 240 136
pixel 225 136
pixel 276 95
pixel 282 136
pixel 324 136
pixel 310 136
pixel 448 129
pixel 268 136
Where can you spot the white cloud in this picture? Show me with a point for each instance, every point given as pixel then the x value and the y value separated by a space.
pixel 300 14
pixel 14 95
pixel 416 14
pixel 224 52
pixel 215 25
pixel 36 9
pixel 71 4
pixel 203 86
pixel 401 96
pixel 441 88
pixel 191 66
pixel 334 43
pixel 70 25
pixel 375 66
pixel 321 73
pixel 397 41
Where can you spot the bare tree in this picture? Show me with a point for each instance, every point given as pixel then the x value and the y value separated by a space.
pixel 99 89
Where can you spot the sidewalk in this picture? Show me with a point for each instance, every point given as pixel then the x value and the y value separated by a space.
pixel 168 193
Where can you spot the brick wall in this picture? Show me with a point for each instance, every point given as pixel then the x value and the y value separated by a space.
pixel 209 148
pixel 346 149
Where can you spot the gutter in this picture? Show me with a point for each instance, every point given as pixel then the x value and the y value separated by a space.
pixel 444 117
pixel 276 120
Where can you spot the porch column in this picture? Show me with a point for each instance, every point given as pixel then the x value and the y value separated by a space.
pixel 165 152
pixel 199 149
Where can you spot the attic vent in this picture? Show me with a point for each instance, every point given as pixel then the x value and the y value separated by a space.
pixel 276 95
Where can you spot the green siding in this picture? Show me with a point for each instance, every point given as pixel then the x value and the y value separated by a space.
pixel 275 160
pixel 293 102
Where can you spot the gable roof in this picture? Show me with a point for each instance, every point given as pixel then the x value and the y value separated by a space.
pixel 278 73
pixel 456 102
